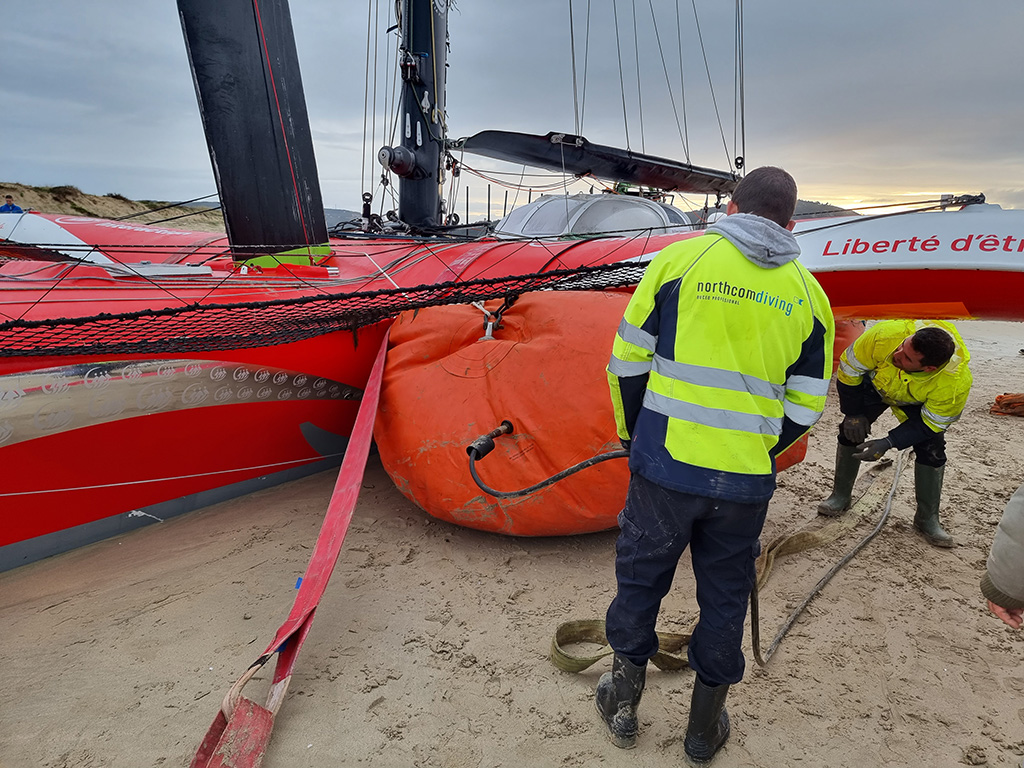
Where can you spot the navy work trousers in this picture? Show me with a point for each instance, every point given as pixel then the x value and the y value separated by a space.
pixel 656 526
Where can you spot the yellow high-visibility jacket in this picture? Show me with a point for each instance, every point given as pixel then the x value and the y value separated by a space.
pixel 942 393
pixel 721 353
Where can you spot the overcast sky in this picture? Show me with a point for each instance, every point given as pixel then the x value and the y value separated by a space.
pixel 862 101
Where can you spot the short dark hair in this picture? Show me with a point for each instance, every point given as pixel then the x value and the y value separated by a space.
pixel 934 345
pixel 768 192
pixel 9 197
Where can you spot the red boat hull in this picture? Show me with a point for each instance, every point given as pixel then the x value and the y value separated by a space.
pixel 93 449
pixel 94 444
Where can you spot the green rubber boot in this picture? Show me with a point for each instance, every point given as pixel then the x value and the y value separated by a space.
pixel 617 697
pixel 847 468
pixel 928 489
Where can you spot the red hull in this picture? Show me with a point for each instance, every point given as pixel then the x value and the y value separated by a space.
pixel 87 440
pixel 945 294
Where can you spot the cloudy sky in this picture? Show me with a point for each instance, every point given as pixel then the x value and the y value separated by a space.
pixel 863 101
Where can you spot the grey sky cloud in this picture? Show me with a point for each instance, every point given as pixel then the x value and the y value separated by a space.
pixel 859 100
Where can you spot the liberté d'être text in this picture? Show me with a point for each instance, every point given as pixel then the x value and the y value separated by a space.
pixel 988 243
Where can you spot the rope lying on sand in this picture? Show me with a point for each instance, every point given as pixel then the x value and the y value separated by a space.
pixel 1009 404
pixel 671 655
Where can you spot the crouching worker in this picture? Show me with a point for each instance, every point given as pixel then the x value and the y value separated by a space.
pixel 722 360
pixel 1003 582
pixel 918 368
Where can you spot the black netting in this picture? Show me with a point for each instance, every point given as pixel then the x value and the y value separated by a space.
pixel 209 327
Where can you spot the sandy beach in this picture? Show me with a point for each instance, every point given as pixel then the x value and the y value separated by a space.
pixel 430 647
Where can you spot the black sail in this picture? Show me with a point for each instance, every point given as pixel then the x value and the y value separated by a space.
pixel 246 73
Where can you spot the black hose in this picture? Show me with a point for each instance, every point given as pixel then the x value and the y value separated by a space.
pixel 620 454
pixel 484 444
pixel 755 633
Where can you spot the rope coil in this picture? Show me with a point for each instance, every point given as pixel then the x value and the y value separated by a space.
pixel 671 656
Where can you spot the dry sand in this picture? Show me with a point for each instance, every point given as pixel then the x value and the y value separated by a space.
pixel 430 647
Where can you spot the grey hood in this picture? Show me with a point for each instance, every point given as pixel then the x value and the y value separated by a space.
pixel 759 239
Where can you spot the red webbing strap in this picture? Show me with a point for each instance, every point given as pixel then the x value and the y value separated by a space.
pixel 240 733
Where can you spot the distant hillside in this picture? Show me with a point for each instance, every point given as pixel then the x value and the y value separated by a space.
pixel 200 216
pixel 807 207
pixel 71 200
pixel 804 208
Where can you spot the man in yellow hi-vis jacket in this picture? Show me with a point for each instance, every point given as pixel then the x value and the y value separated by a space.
pixel 722 360
pixel 918 368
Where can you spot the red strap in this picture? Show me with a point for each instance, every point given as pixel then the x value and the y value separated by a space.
pixel 240 732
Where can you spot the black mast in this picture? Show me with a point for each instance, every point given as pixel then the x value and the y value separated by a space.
pixel 246 73
pixel 421 119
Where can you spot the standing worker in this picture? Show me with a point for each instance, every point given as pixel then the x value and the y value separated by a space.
pixel 722 361
pixel 9 206
pixel 918 368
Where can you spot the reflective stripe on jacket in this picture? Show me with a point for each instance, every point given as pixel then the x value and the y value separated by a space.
pixel 714 356
pixel 942 393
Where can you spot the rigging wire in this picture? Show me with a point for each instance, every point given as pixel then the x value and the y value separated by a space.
pixel 682 83
pixel 522 173
pixel 109 252
pixel 436 114
pixel 165 207
pixel 66 273
pixel 664 66
pixel 453 187
pixel 572 54
pixel 366 95
pixel 385 182
pixel 182 216
pixel 873 217
pixel 561 184
pixel 390 103
pixel 739 108
pixel 711 85
pixel 956 200
pixel 107 248
pixel 308 460
pixel 586 59
pixel 622 84
pixel 438 85
pixel 373 110
pixel 639 86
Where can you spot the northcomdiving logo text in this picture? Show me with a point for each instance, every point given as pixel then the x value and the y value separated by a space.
pixel 723 291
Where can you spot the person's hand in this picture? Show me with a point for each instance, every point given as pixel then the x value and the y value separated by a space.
pixel 1012 617
pixel 872 450
pixel 855 429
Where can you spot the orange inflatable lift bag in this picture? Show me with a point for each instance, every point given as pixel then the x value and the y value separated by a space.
pixel 543 371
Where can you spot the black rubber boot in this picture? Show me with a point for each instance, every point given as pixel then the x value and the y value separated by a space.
pixel 709 723
pixel 847 468
pixel 928 489
pixel 617 696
